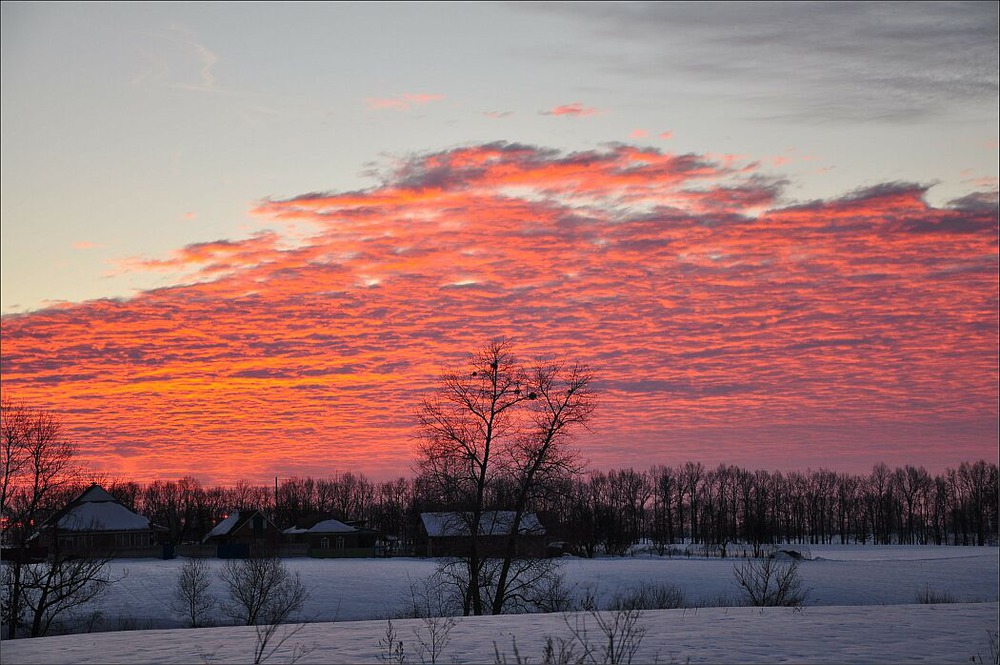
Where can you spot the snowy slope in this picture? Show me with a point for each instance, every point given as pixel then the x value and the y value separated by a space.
pixel 869 634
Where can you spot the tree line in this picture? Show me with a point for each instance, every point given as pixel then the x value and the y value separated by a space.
pixel 607 512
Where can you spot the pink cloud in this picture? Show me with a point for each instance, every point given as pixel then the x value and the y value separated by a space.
pixel 666 136
pixel 715 320
pixel 638 134
pixel 575 109
pixel 86 244
pixel 403 102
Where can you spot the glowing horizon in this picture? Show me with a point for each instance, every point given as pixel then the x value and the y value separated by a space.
pixel 722 324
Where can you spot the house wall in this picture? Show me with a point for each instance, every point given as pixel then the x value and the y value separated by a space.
pixel 211 550
pixel 120 544
pixel 341 545
pixel 488 546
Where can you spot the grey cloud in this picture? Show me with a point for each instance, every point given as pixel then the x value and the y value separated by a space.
pixel 976 202
pixel 680 387
pixel 819 61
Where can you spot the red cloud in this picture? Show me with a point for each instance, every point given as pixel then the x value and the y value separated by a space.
pixel 708 312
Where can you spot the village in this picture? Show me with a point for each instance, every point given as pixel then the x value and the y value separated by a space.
pixel 96 524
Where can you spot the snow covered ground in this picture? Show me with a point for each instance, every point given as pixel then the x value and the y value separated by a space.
pixel 862 607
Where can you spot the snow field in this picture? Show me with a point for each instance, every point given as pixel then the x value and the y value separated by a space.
pixel 862 608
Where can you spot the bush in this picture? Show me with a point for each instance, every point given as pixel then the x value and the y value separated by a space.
pixel 649 597
pixel 930 596
pixel 192 596
pixel 261 590
pixel 769 583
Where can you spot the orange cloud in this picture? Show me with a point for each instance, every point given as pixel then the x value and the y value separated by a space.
pixel 721 326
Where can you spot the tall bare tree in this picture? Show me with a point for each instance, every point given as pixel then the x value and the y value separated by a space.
pixel 499 424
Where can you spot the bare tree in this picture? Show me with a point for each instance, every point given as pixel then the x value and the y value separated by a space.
pixel 499 425
pixel 61 584
pixel 617 644
pixel 192 594
pixel 35 465
pixel 262 591
pixel 434 637
pixel 271 637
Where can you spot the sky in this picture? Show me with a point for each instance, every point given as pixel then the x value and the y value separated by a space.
pixel 242 240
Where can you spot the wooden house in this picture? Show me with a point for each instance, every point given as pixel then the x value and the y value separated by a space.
pixel 244 533
pixel 96 524
pixel 326 538
pixel 448 534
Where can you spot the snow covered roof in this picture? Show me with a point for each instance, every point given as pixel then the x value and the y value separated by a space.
pixel 234 521
pixel 325 526
pixel 97 510
pixel 101 516
pixel 224 526
pixel 492 523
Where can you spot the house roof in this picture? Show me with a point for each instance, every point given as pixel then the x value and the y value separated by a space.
pixel 234 521
pixel 492 523
pixel 223 527
pixel 103 516
pixel 97 510
pixel 95 493
pixel 325 526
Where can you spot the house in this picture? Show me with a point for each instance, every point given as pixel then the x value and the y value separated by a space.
pixel 326 538
pixel 244 533
pixel 448 534
pixel 96 524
